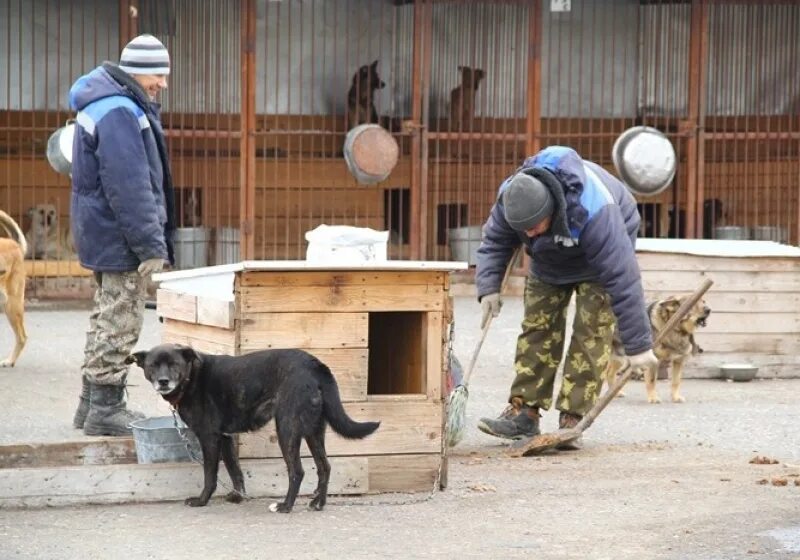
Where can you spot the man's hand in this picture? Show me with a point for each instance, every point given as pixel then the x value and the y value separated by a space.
pixel 150 266
pixel 644 361
pixel 490 305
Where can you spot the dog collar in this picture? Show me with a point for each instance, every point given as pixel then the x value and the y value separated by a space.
pixel 175 397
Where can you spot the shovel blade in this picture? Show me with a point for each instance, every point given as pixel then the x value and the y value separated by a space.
pixel 543 442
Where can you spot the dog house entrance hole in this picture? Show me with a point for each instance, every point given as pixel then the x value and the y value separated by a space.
pixel 396 353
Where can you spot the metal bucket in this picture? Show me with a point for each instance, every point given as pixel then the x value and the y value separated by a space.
pixel 731 232
pixel 464 243
pixel 158 441
pixel 226 245
pixel 191 247
pixel 770 233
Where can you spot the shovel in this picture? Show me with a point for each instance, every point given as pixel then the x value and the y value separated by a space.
pixel 543 442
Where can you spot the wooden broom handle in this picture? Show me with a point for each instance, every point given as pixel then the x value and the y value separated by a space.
pixel 615 388
pixel 474 358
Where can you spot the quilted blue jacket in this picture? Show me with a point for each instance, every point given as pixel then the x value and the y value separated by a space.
pixel 122 197
pixel 596 243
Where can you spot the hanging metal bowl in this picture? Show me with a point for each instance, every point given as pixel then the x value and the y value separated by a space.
pixel 59 149
pixel 645 160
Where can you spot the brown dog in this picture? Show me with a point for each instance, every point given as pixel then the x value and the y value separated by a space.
pixel 462 99
pixel 673 350
pixel 361 97
pixel 12 283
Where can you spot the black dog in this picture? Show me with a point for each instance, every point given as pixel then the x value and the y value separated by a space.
pixel 361 96
pixel 221 395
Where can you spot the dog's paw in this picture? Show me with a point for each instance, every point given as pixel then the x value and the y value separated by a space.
pixel 234 497
pixel 6 363
pixel 195 502
pixel 316 504
pixel 276 507
pixel 653 399
pixel 678 399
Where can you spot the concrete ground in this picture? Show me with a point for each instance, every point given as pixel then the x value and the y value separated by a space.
pixel 654 481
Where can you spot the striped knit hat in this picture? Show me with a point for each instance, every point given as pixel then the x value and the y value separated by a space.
pixel 145 55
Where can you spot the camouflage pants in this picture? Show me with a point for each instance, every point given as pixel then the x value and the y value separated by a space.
pixel 540 346
pixel 114 326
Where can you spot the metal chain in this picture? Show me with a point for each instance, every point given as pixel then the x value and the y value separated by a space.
pixel 192 456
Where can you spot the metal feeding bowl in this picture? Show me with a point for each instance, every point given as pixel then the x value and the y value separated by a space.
pixel 738 372
pixel 645 160
pixel 59 149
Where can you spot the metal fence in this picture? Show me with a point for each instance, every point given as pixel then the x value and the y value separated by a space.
pixel 258 108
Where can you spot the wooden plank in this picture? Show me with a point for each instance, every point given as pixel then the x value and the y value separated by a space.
pixel 433 355
pixel 211 340
pixel 654 261
pixel 688 281
pixel 751 342
pixel 349 366
pixel 54 269
pixel 105 484
pixel 176 305
pixel 215 313
pixel 342 278
pixel 303 330
pixel 406 427
pixel 400 297
pixel 97 451
pixel 403 473
pixel 755 302
pixel 750 322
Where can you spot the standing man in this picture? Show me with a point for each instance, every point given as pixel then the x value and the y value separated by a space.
pixel 122 217
pixel 579 225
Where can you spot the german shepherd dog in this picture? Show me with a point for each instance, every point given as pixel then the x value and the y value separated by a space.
pixel 361 97
pixel 12 283
pixel 222 395
pixel 673 350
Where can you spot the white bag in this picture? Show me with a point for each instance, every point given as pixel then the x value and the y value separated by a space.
pixel 345 245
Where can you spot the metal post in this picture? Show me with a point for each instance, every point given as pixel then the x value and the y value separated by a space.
pixel 247 169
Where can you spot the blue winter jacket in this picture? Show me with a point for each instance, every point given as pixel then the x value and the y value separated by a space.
pixel 596 243
pixel 122 196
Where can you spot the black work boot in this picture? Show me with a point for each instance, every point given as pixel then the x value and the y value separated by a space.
pixel 108 415
pixel 567 421
pixel 83 405
pixel 524 424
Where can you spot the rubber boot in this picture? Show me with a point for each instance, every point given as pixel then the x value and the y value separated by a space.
pixel 83 405
pixel 525 424
pixel 108 415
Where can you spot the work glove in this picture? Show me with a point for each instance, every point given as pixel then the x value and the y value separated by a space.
pixel 150 266
pixel 490 306
pixel 643 361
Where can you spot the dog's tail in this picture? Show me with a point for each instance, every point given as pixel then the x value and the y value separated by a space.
pixel 334 412
pixel 13 231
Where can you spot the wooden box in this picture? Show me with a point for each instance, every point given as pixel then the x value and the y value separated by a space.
pixel 755 299
pixel 381 328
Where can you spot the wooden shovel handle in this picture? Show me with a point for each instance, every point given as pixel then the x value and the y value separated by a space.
pixel 615 388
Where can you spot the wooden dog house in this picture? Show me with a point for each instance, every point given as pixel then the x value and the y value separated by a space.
pixel 381 328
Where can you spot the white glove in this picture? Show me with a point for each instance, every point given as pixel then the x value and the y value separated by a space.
pixel 644 361
pixel 150 266
pixel 490 306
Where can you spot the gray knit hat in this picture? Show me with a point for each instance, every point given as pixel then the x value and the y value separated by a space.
pixel 145 55
pixel 526 202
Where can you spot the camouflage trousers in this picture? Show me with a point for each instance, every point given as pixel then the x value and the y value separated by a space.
pixel 114 326
pixel 541 344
